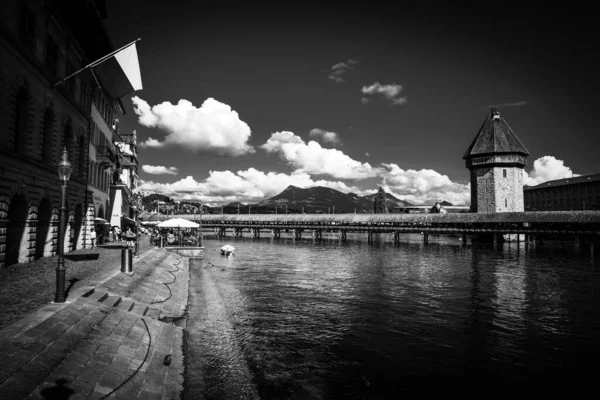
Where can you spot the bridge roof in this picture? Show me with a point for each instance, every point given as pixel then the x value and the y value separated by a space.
pixel 513 217
pixel 494 137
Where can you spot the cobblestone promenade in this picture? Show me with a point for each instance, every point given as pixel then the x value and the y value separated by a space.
pixel 117 336
pixel 26 287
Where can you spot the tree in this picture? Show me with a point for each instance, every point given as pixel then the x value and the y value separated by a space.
pixel 380 202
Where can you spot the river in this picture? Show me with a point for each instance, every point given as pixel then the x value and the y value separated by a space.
pixel 304 319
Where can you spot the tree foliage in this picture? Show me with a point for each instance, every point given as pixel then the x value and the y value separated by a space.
pixel 380 202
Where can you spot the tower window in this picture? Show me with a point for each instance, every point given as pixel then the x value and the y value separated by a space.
pixel 504 172
pixel 505 201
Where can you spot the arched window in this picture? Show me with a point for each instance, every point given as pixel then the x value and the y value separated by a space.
pixel 21 121
pixel 47 136
pixel 68 138
pixel 81 156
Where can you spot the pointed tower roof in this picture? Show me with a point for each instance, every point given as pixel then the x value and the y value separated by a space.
pixel 495 136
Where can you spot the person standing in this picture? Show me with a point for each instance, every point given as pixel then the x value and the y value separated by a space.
pixel 129 236
pixel 93 237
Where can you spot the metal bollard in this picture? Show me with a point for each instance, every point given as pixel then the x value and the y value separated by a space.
pixel 161 243
pixel 126 261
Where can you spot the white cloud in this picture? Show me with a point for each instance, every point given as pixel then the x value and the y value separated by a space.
pixel 365 100
pixel 249 186
pixel 513 104
pixel 212 128
pixel 367 154
pixel 425 186
pixel 547 168
pixel 159 170
pixel 340 69
pixel 313 159
pixel 325 136
pixel 389 92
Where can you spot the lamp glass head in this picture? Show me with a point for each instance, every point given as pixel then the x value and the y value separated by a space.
pixel 64 167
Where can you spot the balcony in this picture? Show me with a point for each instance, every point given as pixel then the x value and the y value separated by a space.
pixel 107 156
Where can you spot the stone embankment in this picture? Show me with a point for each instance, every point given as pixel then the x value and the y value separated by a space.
pixel 117 336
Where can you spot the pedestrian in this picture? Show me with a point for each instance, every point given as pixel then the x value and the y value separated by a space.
pixel 129 236
pixel 117 233
pixel 93 237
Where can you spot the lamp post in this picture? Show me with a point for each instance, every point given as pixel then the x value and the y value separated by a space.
pixel 137 226
pixel 64 173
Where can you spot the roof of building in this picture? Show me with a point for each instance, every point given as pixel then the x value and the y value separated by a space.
pixel 565 181
pixel 495 136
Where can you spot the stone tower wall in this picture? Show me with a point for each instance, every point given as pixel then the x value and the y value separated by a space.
pixel 483 189
pixel 491 191
pixel 508 190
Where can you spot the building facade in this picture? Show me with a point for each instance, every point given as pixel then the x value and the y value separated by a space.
pixel 496 160
pixel 576 193
pixel 125 182
pixel 42 41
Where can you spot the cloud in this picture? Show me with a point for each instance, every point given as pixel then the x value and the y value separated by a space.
pixel 547 168
pixel 313 159
pixel 340 69
pixel 212 128
pixel 159 170
pixel 367 154
pixel 513 104
pixel 365 100
pixel 389 92
pixel 424 186
pixel 249 186
pixel 325 136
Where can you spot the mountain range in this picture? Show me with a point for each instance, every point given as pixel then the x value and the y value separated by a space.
pixel 321 199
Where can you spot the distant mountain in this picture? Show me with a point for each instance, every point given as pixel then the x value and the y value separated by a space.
pixel 445 203
pixel 323 200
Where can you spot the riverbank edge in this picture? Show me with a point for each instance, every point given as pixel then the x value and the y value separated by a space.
pixel 33 359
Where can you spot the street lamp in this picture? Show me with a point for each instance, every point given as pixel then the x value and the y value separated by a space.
pixel 64 173
pixel 138 204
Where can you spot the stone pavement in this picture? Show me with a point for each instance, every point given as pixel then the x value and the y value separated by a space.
pixel 117 337
pixel 26 287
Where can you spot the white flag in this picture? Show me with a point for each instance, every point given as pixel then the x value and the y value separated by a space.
pixel 120 75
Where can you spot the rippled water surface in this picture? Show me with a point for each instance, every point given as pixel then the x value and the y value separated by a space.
pixel 285 319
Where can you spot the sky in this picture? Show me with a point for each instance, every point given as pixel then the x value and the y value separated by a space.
pixel 240 101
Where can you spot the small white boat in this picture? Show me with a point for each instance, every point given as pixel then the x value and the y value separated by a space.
pixel 227 250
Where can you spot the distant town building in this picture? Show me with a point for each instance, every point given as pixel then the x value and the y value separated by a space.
pixel 424 209
pixel 496 159
pixel 576 193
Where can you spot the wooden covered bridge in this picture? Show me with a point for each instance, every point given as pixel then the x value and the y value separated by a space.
pixel 512 225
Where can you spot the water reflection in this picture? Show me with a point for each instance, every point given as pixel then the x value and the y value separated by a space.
pixel 328 319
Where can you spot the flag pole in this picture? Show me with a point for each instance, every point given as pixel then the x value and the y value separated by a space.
pixel 97 62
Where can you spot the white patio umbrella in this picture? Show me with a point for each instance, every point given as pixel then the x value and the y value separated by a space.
pixel 178 223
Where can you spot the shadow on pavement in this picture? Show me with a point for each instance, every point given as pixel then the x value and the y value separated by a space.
pixel 58 392
pixel 71 283
pixel 82 257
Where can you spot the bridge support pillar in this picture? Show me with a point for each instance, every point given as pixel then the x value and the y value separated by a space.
pixel 370 236
pixel 222 231
pixel 397 237
pixel 463 237
pixel 256 233
pixel 343 235
pixel 276 233
pixel 237 232
pixel 425 237
pixel 297 233
pixel 317 234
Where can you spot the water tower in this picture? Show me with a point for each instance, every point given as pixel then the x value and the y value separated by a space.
pixel 496 159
